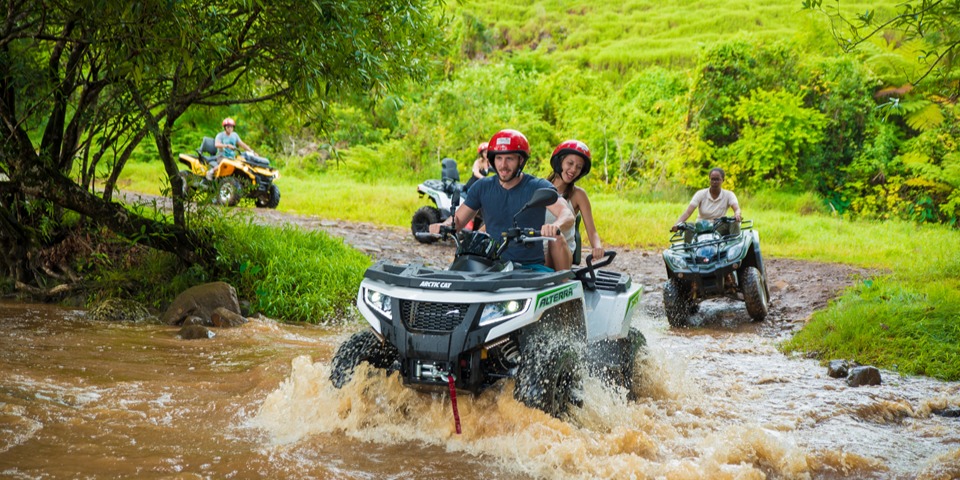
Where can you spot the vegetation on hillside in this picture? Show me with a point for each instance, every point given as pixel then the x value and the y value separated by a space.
pixel 661 96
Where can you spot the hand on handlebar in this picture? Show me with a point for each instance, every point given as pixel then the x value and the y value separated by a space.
pixel 677 227
pixel 597 253
pixel 550 230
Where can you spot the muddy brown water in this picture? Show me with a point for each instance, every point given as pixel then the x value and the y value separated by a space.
pixel 86 399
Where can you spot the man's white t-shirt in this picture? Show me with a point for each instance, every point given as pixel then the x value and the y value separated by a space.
pixel 709 208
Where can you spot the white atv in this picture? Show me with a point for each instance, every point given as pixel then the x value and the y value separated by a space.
pixel 483 320
pixel 445 194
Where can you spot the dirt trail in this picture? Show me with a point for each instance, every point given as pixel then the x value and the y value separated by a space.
pixel 797 288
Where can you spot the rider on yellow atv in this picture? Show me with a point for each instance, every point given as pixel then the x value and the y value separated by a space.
pixel 227 142
pixel 231 176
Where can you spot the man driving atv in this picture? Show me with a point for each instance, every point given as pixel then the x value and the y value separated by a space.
pixel 711 204
pixel 503 195
pixel 227 142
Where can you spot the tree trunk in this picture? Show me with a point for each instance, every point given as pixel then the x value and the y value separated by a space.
pixel 190 246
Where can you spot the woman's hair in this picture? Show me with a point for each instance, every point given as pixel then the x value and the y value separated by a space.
pixel 569 191
pixel 717 169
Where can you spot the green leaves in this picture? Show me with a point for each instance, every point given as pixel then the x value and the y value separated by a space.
pixel 288 272
pixel 777 132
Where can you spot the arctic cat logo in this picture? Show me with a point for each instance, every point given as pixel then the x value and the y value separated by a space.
pixel 429 284
pixel 546 299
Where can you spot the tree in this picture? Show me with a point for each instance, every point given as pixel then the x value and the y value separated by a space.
pixel 928 31
pixel 84 82
pixel 914 51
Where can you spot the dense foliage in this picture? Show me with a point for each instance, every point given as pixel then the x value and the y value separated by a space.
pixel 774 106
pixel 85 83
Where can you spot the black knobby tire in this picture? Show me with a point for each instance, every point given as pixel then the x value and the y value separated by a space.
pixel 229 191
pixel 629 350
pixel 552 350
pixel 755 294
pixel 270 199
pixel 360 347
pixel 422 219
pixel 675 303
pixel 549 379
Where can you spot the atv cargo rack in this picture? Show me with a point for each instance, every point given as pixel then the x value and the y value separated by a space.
pixel 595 279
pixel 677 242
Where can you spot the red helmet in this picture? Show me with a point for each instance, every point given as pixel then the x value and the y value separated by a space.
pixel 481 148
pixel 571 146
pixel 508 141
pixel 229 121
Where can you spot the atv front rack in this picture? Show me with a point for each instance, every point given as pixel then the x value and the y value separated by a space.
pixel 678 243
pixel 418 276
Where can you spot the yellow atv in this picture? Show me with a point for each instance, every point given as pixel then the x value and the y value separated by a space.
pixel 245 176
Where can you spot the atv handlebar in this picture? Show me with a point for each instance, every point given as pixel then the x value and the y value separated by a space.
pixel 691 226
pixel 524 235
pixel 422 236
pixel 681 227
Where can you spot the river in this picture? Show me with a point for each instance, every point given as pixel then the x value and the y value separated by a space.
pixel 86 399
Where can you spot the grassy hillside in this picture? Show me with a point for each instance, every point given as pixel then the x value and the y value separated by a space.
pixel 621 36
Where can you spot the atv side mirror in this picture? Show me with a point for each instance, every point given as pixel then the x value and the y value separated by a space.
pixel 454 201
pixel 541 198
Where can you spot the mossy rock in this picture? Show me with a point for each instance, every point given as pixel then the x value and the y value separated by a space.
pixel 119 310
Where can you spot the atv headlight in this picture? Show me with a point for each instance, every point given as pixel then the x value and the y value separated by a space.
pixel 734 252
pixel 675 261
pixel 706 255
pixel 498 312
pixel 378 302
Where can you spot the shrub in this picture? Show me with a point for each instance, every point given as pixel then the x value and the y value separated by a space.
pixel 289 273
pixel 776 132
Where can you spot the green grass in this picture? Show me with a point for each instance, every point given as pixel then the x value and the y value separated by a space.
pixel 623 35
pixel 909 327
pixel 291 273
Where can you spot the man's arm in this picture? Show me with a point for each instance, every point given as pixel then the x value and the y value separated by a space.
pixel 736 209
pixel 218 142
pixel 683 218
pixel 461 218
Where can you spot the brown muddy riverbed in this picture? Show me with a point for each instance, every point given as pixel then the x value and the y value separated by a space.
pixel 85 399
